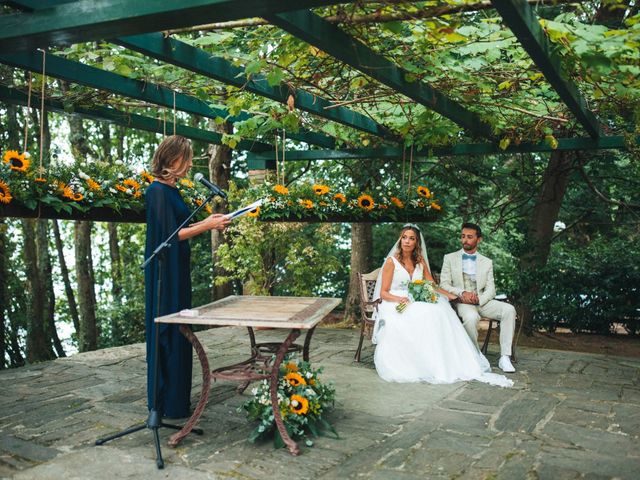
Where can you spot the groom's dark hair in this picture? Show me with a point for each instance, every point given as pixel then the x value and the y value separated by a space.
pixel 472 226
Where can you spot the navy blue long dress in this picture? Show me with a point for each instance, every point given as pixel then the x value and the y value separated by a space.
pixel 165 212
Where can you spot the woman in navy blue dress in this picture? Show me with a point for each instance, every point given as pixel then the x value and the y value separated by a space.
pixel 165 212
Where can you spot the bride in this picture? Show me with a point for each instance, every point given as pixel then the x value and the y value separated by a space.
pixel 426 342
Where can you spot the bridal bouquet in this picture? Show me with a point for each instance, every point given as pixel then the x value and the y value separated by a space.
pixel 420 291
pixel 303 398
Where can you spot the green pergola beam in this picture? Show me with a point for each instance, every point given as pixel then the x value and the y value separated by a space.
pixel 183 55
pixel 125 119
pixel 523 22
pixel 564 144
pixel 79 73
pixel 89 20
pixel 331 39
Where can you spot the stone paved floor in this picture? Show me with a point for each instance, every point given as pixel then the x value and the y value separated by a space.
pixel 570 415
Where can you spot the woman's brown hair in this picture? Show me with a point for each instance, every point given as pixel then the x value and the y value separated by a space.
pixel 416 255
pixel 172 148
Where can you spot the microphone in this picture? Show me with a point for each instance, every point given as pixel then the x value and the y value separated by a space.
pixel 198 177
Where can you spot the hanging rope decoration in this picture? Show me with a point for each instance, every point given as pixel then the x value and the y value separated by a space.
pixel 404 158
pixel 277 161
pixel 164 122
pixel 44 82
pixel 26 122
pixel 410 171
pixel 174 112
pixel 284 138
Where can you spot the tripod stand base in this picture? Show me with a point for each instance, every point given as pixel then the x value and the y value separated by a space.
pixel 154 423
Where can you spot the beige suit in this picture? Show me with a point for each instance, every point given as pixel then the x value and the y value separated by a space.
pixel 451 280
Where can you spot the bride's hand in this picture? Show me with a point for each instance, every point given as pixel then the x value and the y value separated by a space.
pixel 403 300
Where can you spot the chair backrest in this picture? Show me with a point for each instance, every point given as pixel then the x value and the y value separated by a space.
pixel 367 282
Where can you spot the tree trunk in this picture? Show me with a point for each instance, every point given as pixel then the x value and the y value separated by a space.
pixel 3 290
pixel 219 173
pixel 116 280
pixel 88 334
pixel 71 299
pixel 361 251
pixel 38 345
pixel 13 348
pixel 540 230
pixel 45 272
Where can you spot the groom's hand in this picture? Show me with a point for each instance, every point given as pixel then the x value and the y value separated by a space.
pixel 470 298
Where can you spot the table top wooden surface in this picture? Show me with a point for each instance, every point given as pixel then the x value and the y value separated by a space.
pixel 254 311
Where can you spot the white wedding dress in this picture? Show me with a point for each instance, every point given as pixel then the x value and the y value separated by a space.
pixel 426 342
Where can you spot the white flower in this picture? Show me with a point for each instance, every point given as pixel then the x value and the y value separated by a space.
pixel 119 162
pixel 309 375
pixel 254 391
pixel 82 175
pixel 112 190
pixel 27 155
pixel 559 226
pixel 294 403
pixel 120 176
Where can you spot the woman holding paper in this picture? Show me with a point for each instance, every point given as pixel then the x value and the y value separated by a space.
pixel 165 212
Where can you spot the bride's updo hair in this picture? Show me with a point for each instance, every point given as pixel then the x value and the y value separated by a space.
pixel 416 255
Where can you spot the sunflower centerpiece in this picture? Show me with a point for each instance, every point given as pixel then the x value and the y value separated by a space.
pixel 303 398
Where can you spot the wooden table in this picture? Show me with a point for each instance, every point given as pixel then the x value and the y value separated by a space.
pixel 293 314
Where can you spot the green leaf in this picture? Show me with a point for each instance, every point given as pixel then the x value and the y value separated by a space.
pixel 275 77
pixel 504 143
pixel 393 27
pixel 255 67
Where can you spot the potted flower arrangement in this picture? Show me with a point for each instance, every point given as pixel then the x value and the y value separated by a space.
pixel 303 398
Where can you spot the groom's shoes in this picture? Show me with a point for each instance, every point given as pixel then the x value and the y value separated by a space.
pixel 505 364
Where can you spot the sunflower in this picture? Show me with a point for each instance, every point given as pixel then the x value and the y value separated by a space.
pixel 295 379
pixel 5 193
pixel 130 182
pixel 435 206
pixel 340 197
pixel 93 185
pixel 366 202
pixel 208 209
pixel 186 182
pixel 40 180
pixel 121 188
pixel 17 161
pixel 146 176
pixel 299 404
pixel 423 192
pixel 320 189
pixel 254 213
pixel 137 194
pixel 291 367
pixel 397 202
pixel 199 201
pixel 306 203
pixel 77 197
pixel 67 192
pixel 281 189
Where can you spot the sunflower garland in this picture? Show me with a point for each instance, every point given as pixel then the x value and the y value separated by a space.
pixel 324 202
pixel 79 187
pixel 303 400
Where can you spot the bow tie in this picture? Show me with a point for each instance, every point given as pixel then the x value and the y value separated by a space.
pixel 466 256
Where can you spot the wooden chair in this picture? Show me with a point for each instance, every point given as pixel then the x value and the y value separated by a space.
pixel 491 328
pixel 368 305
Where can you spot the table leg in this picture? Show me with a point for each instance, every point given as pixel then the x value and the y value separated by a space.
pixel 206 385
pixel 273 389
pixel 307 344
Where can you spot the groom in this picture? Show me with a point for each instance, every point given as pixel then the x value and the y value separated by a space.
pixel 469 275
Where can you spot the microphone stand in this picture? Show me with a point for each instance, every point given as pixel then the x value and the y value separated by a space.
pixel 154 420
